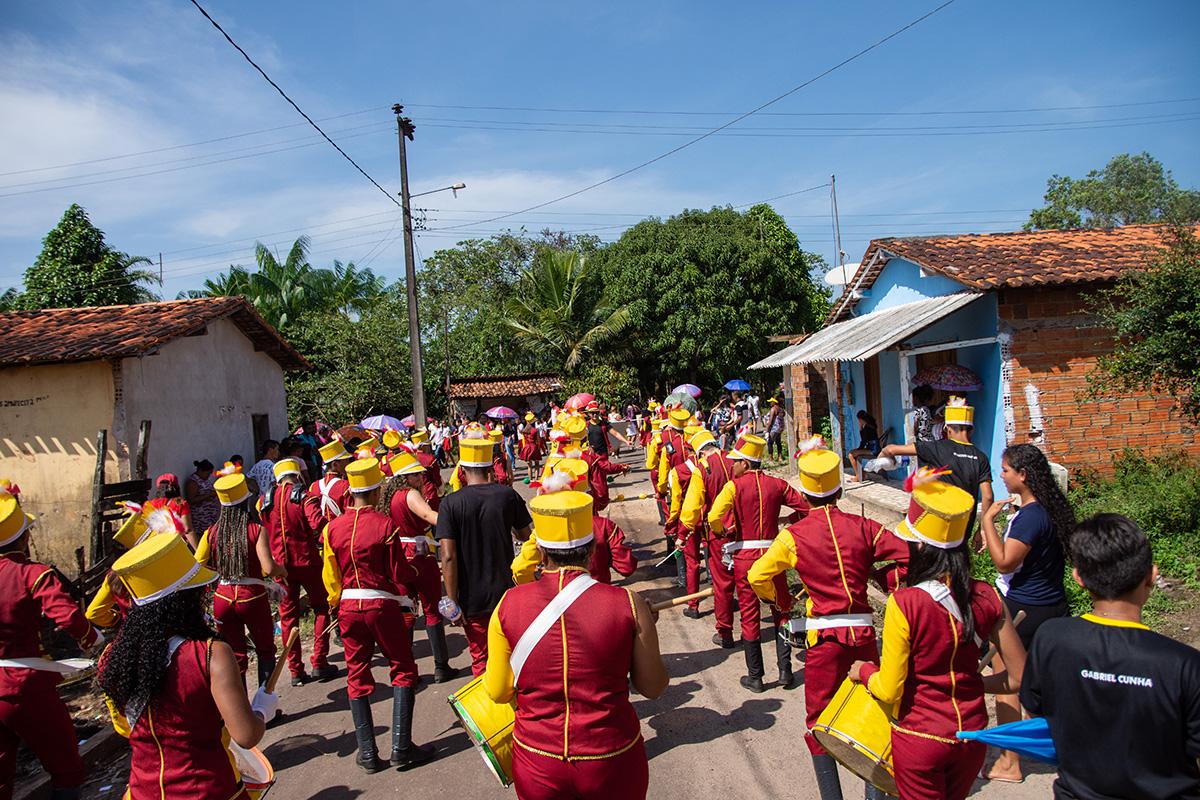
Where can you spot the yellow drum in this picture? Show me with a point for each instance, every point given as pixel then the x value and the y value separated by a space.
pixel 489 725
pixel 257 773
pixel 856 729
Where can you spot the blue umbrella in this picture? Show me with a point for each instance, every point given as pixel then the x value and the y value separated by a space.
pixel 1029 737
pixel 738 385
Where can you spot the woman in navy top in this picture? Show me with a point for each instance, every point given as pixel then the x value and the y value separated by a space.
pixel 1030 560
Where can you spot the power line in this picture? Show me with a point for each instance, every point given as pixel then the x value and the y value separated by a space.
pixel 291 102
pixel 551 110
pixel 738 119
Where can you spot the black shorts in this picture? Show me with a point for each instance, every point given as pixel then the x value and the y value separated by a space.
pixel 1035 616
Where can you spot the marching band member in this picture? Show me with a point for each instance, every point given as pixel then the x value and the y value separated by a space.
pixel 236 546
pixel 30 708
pixel 475 530
pixel 672 448
pixel 688 541
pixel 173 687
pixel 715 470
pixel 111 603
pixel 834 553
pixel 329 495
pixel 288 519
pixel 472 430
pixel 610 551
pixel 652 458
pixel 431 483
pixel 566 649
pixel 933 635
pixel 368 579
pixel 754 499
pixel 531 445
pixel 412 519
pixel 500 466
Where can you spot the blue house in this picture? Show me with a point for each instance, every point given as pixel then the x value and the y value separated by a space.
pixel 1012 308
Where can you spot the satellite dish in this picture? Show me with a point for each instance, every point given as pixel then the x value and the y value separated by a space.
pixel 839 276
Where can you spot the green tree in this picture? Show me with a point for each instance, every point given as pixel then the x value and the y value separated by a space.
pixel 10 300
pixel 706 289
pixel 78 268
pixel 1155 316
pixel 560 307
pixel 1129 190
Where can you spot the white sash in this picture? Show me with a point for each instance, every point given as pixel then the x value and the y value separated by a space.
pixel 542 622
pixel 64 667
pixel 940 593
pixel 329 506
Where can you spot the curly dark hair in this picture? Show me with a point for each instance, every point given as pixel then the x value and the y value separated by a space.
pixel 393 485
pixel 134 665
pixel 1032 461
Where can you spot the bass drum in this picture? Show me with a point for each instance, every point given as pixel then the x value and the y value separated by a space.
pixel 856 729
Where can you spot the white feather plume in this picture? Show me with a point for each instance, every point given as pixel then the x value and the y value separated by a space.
pixel 557 481
pixel 161 520
pixel 812 443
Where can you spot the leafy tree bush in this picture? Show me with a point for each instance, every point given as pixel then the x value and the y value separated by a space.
pixel 78 268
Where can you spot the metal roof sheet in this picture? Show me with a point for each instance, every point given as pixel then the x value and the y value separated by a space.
pixel 859 338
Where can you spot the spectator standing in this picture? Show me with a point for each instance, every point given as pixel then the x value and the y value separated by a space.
pixel 262 473
pixel 920 423
pixel 774 427
pixel 201 498
pixel 1029 558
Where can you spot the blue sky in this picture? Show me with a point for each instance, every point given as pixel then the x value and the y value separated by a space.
pixel 87 85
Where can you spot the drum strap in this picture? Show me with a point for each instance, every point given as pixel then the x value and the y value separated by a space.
pixel 542 622
pixel 940 593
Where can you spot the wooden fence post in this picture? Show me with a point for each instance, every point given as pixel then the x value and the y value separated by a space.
pixel 97 542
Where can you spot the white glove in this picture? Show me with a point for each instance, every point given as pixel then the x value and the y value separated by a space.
pixel 265 704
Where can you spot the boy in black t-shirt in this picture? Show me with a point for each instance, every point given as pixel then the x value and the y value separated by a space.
pixel 1122 702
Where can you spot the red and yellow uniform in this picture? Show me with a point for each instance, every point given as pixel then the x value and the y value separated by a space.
pixel 672 448
pixel 715 470
pixel 610 552
pixel 30 708
pixel 431 487
pixel 110 605
pixel 420 550
pixel 678 480
pixel 653 455
pixel 368 578
pixel 294 545
pixel 327 499
pixel 599 468
pixel 576 733
pixel 833 552
pixel 242 604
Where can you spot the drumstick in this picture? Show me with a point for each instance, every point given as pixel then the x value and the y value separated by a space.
pixel 991 651
pixel 293 637
pixel 678 601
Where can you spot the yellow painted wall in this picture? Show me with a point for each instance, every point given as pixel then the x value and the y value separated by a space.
pixel 49 417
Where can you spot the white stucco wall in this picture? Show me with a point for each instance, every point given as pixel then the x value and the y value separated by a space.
pixel 200 392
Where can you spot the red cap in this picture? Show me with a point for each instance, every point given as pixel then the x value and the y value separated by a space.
pixel 167 477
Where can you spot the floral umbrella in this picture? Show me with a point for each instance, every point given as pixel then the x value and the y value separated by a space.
pixel 690 389
pixel 681 399
pixel 411 421
pixel 948 378
pixel 501 412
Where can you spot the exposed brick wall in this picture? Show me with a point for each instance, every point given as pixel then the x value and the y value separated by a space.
pixel 810 402
pixel 1055 344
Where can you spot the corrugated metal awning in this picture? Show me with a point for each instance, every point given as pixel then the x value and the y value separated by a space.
pixel 859 338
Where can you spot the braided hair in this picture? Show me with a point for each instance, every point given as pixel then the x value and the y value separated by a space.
pixel 134 665
pixel 1032 461
pixel 232 551
pixel 393 485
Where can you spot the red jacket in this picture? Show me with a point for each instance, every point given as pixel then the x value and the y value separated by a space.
pixel 599 468
pixel 408 525
pixel 433 479
pixel 610 551
pixel 365 550
pixel 754 501
pixel 30 591
pixel 293 537
pixel 321 511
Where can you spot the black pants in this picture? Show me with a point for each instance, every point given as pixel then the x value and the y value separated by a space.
pixel 775 444
pixel 1035 616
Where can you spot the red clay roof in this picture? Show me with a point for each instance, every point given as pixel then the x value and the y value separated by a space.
pixel 1026 258
pixel 61 335
pixel 505 385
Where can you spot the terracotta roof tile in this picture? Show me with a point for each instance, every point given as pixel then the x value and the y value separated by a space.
pixel 61 335
pixel 505 385
pixel 1026 258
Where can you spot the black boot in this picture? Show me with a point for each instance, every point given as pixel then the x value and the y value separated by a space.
pixel 752 680
pixel 364 733
pixel 828 783
pixel 874 793
pixel 442 671
pixel 405 754
pixel 783 659
pixel 265 667
pixel 680 569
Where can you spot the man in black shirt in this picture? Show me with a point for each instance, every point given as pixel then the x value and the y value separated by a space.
pixel 970 469
pixel 1122 702
pixel 475 532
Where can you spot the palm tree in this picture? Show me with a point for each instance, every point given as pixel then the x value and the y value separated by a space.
pixel 560 306
pixel 348 289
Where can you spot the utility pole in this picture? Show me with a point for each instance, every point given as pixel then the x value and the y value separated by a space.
pixel 404 130
pixel 840 258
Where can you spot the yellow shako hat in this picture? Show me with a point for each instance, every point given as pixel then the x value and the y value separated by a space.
pixel 691 430
pixel 701 439
pixel 391 439
pixel 937 512
pixel 285 467
pixel 562 474
pixel 364 475
pixel 749 448
pixel 405 464
pixel 820 468
pixel 575 428
pixel 656 424
pixel 231 489
pixel 418 437
pixel 475 450
pixel 562 520
pixel 679 418
pixel 333 451
pixel 13 521
pixel 496 435
pixel 958 412
pixel 158 567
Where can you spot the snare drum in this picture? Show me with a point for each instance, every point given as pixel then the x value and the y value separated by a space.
pixel 257 773
pixel 489 725
pixel 856 729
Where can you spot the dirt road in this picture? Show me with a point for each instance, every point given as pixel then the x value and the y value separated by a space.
pixel 705 734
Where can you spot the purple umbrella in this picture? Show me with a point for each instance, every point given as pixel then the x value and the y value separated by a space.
pixel 687 388
pixel 381 422
pixel 501 412
pixel 948 378
pixel 411 421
